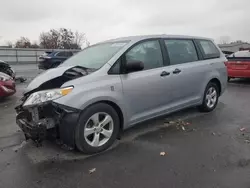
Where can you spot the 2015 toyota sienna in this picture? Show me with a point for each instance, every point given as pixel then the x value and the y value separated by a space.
pixel 89 99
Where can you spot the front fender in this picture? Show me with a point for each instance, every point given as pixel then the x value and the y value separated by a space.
pixel 85 95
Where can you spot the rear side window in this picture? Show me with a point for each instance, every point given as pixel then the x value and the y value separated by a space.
pixel 208 49
pixel 181 51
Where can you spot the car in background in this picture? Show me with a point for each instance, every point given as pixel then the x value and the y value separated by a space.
pixel 53 59
pixel 6 68
pixel 227 53
pixel 7 85
pixel 238 65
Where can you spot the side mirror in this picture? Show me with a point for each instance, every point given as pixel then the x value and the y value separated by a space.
pixel 133 66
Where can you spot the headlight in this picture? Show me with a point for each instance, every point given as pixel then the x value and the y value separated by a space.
pixel 47 95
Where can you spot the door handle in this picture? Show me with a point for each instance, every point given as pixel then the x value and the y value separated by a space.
pixel 164 73
pixel 176 71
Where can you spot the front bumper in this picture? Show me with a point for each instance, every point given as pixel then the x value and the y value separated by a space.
pixel 239 73
pixel 58 122
pixel 36 133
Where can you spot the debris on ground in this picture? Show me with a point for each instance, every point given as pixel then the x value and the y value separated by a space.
pixel 247 141
pixel 179 124
pixel 213 133
pixel 66 147
pixel 167 123
pixel 243 163
pixel 91 171
pixel 162 153
pixel 20 146
pixel 242 129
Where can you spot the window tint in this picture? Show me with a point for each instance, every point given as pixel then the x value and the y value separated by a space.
pixel 208 49
pixel 148 52
pixel 181 51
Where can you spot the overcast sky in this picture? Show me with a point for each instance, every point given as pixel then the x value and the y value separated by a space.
pixel 105 19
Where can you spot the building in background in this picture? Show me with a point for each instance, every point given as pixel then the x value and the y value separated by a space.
pixel 235 46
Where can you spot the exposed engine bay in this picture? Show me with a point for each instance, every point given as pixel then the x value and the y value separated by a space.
pixel 46 119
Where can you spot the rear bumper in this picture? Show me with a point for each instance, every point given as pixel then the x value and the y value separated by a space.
pixel 238 73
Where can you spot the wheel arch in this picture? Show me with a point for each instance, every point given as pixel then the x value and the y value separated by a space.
pixel 217 82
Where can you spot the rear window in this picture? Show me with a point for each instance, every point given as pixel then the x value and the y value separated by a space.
pixel 208 49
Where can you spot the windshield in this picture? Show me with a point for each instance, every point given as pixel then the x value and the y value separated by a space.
pixel 94 57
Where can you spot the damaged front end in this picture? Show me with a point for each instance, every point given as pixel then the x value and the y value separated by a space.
pixel 47 119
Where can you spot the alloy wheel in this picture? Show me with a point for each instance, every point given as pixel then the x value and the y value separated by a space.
pixel 98 129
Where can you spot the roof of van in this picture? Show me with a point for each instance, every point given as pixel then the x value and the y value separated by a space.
pixel 142 37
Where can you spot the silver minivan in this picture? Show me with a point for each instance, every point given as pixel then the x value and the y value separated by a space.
pixel 93 96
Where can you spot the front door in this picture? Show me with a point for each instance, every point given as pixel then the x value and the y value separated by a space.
pixel 146 92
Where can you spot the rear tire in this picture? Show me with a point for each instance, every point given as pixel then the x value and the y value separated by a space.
pixel 210 98
pixel 92 127
pixel 228 79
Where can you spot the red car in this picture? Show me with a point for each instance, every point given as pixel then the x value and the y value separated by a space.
pixel 7 85
pixel 238 65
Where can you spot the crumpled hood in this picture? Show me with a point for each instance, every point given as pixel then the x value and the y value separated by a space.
pixel 55 78
pixel 46 76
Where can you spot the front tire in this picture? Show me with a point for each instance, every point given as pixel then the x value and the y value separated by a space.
pixel 97 128
pixel 210 98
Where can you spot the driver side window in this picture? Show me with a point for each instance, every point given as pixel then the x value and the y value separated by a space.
pixel 148 52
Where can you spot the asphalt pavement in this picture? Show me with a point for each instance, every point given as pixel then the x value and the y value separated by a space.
pixel 185 149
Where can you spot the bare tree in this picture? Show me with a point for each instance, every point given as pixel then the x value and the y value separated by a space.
pixel 23 42
pixel 63 38
pixel 79 39
pixel 9 44
pixel 50 40
pixel 34 45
